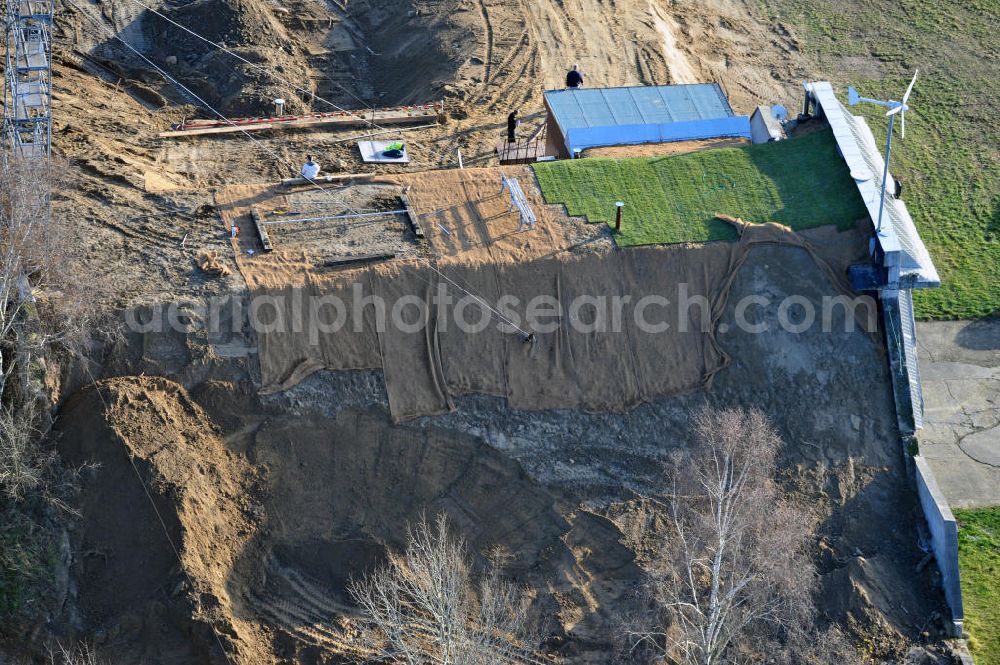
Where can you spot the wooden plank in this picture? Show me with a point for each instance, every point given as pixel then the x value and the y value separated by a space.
pixel 538 130
pixel 292 182
pixel 213 130
pixel 411 216
pixel 258 220
pixel 355 260
pixel 408 118
pixel 337 116
pixel 343 178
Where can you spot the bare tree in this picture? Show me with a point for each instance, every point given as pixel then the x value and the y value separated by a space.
pixel 46 297
pixel 80 654
pixel 425 607
pixel 734 577
pixel 23 463
pixel 48 302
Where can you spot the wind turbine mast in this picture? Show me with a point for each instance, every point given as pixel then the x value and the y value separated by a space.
pixel 895 108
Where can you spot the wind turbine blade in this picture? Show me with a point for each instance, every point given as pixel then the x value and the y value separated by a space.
pixel 894 110
pixel 906 95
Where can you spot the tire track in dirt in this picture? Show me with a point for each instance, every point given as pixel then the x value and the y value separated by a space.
pixel 488 57
pixel 604 39
pixel 144 233
pixel 513 81
pixel 294 619
pixel 503 55
pixel 303 608
pixel 530 92
pixel 516 50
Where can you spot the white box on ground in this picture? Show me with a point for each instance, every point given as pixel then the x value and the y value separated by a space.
pixel 374 151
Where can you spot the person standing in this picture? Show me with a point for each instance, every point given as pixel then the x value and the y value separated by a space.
pixel 310 169
pixel 512 123
pixel 574 79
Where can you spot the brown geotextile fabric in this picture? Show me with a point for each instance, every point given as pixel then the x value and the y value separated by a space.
pixel 429 360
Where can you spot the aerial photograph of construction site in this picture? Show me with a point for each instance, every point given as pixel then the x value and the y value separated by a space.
pixel 500 332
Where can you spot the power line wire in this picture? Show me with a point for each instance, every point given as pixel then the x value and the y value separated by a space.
pixel 275 75
pixel 483 303
pixel 206 105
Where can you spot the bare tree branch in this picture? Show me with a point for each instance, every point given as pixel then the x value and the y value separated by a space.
pixel 733 574
pixel 425 607
pixel 46 296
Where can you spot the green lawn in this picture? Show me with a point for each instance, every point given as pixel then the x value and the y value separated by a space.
pixel 800 182
pixel 950 160
pixel 979 563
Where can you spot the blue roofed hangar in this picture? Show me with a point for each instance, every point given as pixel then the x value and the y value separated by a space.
pixel 584 118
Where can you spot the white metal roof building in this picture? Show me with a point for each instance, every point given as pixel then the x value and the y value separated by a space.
pixel 905 256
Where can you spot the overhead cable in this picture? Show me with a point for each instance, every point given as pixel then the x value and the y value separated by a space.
pixel 272 73
pixel 205 104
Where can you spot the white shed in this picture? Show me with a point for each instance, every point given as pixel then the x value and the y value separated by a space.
pixel 764 127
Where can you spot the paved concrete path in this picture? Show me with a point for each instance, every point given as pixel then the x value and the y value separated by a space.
pixel 960 373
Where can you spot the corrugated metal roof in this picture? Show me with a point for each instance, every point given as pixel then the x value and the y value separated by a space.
pixel 857 145
pixel 640 105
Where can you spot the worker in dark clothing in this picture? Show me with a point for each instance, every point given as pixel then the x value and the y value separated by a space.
pixel 512 123
pixel 574 79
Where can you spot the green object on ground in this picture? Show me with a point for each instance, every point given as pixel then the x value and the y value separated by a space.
pixel 800 182
pixel 949 161
pixel 394 146
pixel 979 567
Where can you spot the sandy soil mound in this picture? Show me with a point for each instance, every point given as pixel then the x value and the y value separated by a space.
pixel 250 28
pixel 269 576
pixel 134 571
pixel 274 512
pixel 340 491
pixel 272 524
pixel 483 57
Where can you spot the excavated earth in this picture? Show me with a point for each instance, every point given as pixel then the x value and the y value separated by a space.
pixel 220 524
pixel 262 508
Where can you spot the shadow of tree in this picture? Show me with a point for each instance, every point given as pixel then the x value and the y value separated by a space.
pixel 981 335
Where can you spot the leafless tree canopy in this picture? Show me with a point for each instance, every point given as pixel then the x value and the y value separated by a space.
pixel 44 296
pixel 80 654
pixel 23 464
pixel 425 607
pixel 47 303
pixel 733 580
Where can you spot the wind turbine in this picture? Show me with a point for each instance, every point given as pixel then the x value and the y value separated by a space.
pixel 895 108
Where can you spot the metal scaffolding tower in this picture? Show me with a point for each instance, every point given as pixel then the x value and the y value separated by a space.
pixel 27 110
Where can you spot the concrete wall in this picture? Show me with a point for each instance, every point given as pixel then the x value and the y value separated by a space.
pixel 555 140
pixel 944 537
pixel 763 127
pixel 581 138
